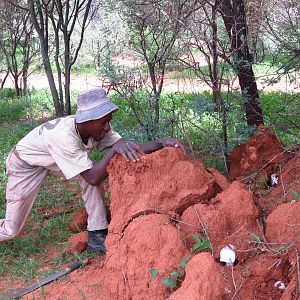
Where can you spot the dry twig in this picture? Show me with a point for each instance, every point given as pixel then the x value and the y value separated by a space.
pixel 269 246
pixel 176 220
pixel 260 226
pixel 238 230
pixel 234 284
pixel 237 290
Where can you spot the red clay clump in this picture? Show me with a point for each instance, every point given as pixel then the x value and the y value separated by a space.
pixel 79 221
pixel 78 242
pixel 149 242
pixel 205 219
pixel 286 190
pixel 144 195
pixel 238 205
pixel 163 182
pixel 283 224
pixel 203 280
pixel 262 150
pixel 220 179
pixel 228 220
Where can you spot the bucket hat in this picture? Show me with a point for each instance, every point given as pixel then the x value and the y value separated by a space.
pixel 92 105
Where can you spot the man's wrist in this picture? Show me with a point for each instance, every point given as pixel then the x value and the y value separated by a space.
pixel 112 152
pixel 160 143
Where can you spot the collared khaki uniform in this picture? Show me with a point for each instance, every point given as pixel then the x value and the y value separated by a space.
pixel 53 148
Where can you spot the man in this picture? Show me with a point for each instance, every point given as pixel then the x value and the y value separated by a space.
pixel 62 147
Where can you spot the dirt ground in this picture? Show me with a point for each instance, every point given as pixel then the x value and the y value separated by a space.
pixel 82 82
pixel 161 202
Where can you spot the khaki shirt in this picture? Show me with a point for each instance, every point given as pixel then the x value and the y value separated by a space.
pixel 55 145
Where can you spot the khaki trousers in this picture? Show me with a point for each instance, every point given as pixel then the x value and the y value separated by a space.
pixel 24 183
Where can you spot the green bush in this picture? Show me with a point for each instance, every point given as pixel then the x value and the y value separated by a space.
pixel 192 117
pixel 7 93
pixel 281 112
pixel 11 108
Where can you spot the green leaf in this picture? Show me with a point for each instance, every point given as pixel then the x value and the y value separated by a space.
pixel 196 238
pixel 184 261
pixel 295 194
pixel 282 248
pixel 153 272
pixel 263 180
pixel 183 264
pixel 201 243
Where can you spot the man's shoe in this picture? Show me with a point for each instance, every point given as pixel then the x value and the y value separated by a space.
pixel 96 241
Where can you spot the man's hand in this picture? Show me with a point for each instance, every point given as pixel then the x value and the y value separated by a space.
pixel 172 142
pixel 130 150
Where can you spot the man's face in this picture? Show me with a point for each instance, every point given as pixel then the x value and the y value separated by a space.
pixel 98 128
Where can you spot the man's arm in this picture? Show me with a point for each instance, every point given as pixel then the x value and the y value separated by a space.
pixel 161 143
pixel 98 172
pixel 130 151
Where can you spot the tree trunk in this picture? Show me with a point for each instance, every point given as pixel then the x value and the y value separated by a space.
pixel 25 68
pixel 234 17
pixel 154 104
pixel 16 83
pixel 67 73
pixel 57 42
pixel 67 90
pixel 42 31
pixel 250 93
pixel 47 66
pixel 25 81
